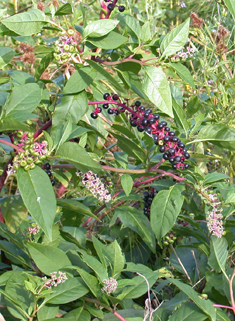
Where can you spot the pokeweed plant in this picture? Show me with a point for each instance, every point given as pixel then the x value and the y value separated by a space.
pixel 117 155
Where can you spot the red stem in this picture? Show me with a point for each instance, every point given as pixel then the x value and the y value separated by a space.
pixel 20 150
pixel 119 316
pixel 44 127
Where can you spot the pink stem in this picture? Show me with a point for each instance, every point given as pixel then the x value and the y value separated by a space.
pixel 20 150
pixel 119 316
pixel 222 306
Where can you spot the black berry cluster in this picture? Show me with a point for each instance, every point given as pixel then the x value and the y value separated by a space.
pixel 145 121
pixel 148 198
pixel 112 5
pixel 47 168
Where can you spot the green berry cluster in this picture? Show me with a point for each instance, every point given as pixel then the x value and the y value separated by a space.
pixel 169 238
pixel 65 47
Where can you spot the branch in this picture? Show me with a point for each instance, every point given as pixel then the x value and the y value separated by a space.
pixel 20 150
pixel 44 127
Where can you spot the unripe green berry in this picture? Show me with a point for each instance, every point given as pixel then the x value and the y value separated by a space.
pixel 57 49
pixel 29 122
pixel 70 32
pixel 20 134
pixel 23 163
pixel 32 166
pixel 42 156
pixel 71 48
pixel 64 55
pixel 29 160
pixel 21 155
pixel 38 161
pixel 165 243
pixel 171 241
pixel 57 57
pixel 15 166
pixel 30 135
pixel 66 47
pixel 27 168
pixel 69 54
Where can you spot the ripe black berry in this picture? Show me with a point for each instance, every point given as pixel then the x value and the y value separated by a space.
pixel 94 116
pixel 171 159
pixel 186 155
pixel 165 156
pixel 47 166
pixel 110 6
pixel 148 130
pixel 160 126
pixel 110 111
pixel 115 97
pixel 99 109
pixel 140 128
pixel 121 8
pixel 137 103
pixel 116 112
pixel 105 106
pixel 162 149
pixel 133 123
pixel 171 151
pixel 76 139
pixel 53 181
pixel 167 129
pixel 166 139
pixel 164 123
pixel 171 133
pixel 181 145
pixel 186 166
pixel 105 96
pixel 155 139
pixel 174 139
pixel 151 121
pixel 174 166
pixel 177 159
pixel 142 108
pixel 147 112
pixel 144 122
pixel 156 116
pixel 49 173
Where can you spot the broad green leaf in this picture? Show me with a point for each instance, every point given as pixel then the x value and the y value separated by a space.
pixel 95 265
pixel 78 156
pixel 131 148
pixel 75 206
pixel 118 259
pixel 156 88
pixel 26 23
pixel 65 133
pixel 219 254
pixel 22 101
pixel 99 28
pixel 127 183
pixel 198 119
pixel 74 106
pixel 13 124
pixel 64 9
pixel 188 312
pixel 130 22
pixel 220 135
pixel 134 288
pixel 14 252
pixel 72 289
pixel 94 311
pixel 80 80
pixel 180 117
pixel 112 40
pixel 230 198
pixel 132 80
pixel 48 258
pixel 145 32
pixel 215 177
pixel 221 315
pixel 231 7
pixel 138 222
pixel 78 314
pixel 165 209
pixel 104 73
pixel 99 247
pixel 38 196
pixel 205 305
pixel 175 40
pixel 6 54
pixel 42 66
pixel 47 311
pixel 183 72
pixel 74 235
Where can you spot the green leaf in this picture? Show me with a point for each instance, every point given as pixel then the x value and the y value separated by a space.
pixel 80 80
pixel 214 177
pixel 180 117
pixel 100 250
pixel 127 183
pixel 74 106
pixel 145 32
pixel 112 40
pixel 95 265
pixel 230 198
pixel 76 206
pixel 183 72
pixel 118 259
pixel 64 9
pixel 187 312
pixel 77 156
pixel 205 305
pixel 6 54
pixel 104 73
pixel 26 23
pixel 71 290
pixel 220 135
pixel 99 28
pixel 231 7
pixel 48 258
pixel 78 314
pixel 156 88
pixel 219 254
pixel 47 312
pixel 131 148
pixel 22 101
pixel 138 222
pixel 221 315
pixel 74 235
pixel 15 252
pixel 132 23
pixel 38 196
pixel 44 63
pixel 165 209
pixel 175 40
pixel 65 133
pixel 13 124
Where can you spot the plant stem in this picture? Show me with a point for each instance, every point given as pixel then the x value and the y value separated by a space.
pixel 40 130
pixel 20 150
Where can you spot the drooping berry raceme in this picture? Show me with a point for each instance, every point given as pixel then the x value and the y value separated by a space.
pixel 214 217
pixel 111 285
pixel 112 5
pixel 93 183
pixel 34 152
pixel 56 279
pixel 145 121
pixel 65 47
pixel 148 198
